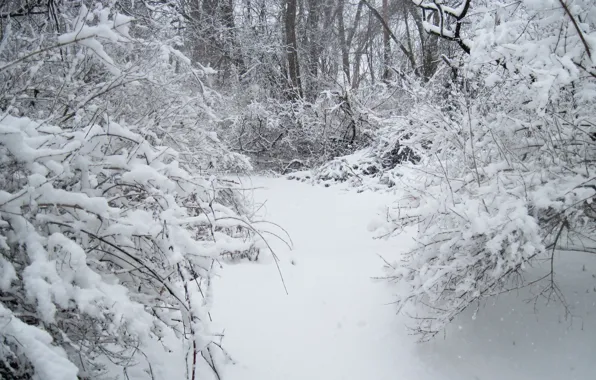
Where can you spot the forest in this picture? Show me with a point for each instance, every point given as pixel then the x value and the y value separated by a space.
pixel 137 136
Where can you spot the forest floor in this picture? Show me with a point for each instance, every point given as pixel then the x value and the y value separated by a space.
pixel 337 322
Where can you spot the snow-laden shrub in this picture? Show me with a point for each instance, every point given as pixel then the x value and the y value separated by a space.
pixel 369 168
pixel 290 135
pixel 355 170
pixel 99 231
pixel 108 235
pixel 97 62
pixel 506 177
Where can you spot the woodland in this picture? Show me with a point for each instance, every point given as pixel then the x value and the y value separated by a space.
pixel 125 125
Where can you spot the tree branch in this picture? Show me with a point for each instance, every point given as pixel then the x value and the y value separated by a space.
pixel 459 13
pixel 408 53
pixel 579 32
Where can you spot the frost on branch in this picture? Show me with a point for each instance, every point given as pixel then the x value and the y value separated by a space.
pixel 108 239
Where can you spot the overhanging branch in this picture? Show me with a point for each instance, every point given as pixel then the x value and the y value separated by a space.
pixel 437 15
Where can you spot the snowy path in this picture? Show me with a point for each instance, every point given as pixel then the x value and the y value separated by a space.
pixel 336 322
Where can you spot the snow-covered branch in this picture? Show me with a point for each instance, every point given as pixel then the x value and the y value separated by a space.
pixel 109 235
pixel 437 20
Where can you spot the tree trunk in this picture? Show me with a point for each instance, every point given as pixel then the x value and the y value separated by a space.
pixel 313 26
pixel 227 9
pixel 428 42
pixel 292 50
pixel 313 47
pixel 359 49
pixel 345 59
pixel 209 53
pixel 370 52
pixel 386 43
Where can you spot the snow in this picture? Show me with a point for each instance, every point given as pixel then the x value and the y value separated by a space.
pixel 50 363
pixel 335 323
pixel 338 322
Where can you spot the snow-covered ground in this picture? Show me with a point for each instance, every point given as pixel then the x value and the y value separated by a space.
pixel 338 323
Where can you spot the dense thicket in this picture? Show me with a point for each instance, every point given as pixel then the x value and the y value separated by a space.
pixel 307 81
pixel 112 212
pixel 119 117
pixel 495 159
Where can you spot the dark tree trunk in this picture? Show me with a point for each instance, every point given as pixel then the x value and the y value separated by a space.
pixel 292 50
pixel 386 43
pixel 345 59
pixel 314 38
pixel 234 51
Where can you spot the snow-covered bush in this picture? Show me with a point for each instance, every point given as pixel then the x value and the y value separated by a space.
pixel 108 235
pixel 290 135
pixel 506 177
pixel 370 168
pixel 96 62
pixel 99 230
